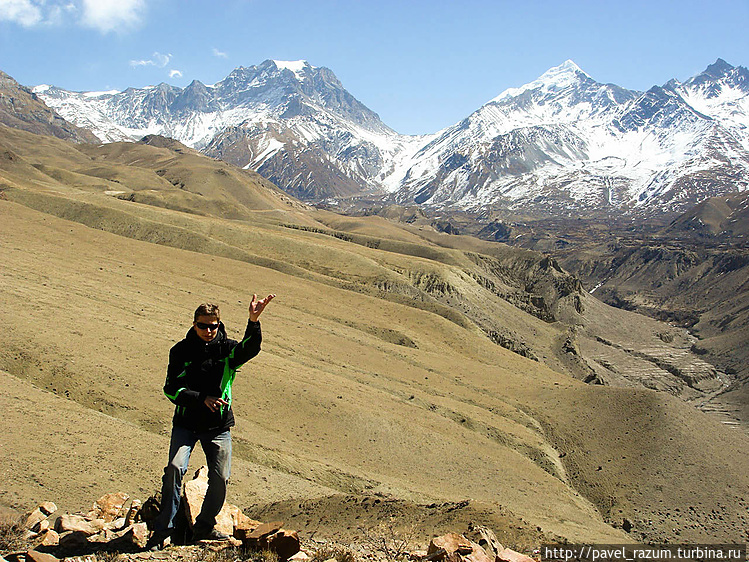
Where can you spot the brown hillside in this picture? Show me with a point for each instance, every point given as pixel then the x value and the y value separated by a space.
pixel 379 372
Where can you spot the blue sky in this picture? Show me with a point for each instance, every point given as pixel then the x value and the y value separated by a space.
pixel 421 65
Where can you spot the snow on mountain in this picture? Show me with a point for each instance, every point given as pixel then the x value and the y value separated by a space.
pixel 567 145
pixel 561 144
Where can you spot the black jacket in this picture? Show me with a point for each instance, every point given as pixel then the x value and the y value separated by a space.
pixel 198 369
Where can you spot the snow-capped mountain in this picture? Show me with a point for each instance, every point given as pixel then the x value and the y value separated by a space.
pixel 562 144
pixel 292 122
pixel 565 144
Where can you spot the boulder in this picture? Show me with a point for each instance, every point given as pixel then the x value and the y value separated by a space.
pixel 33 519
pixel 79 523
pixel 132 538
pixel 36 556
pixel 230 520
pixel 50 537
pixel 457 548
pixel 109 507
pixel 194 494
pixel 486 538
pixel 284 543
pixel 237 522
pixel 48 508
pixel 271 536
pixel 73 540
pixel 262 531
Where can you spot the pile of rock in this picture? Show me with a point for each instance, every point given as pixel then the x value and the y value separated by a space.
pixel 453 547
pixel 109 525
pixel 116 524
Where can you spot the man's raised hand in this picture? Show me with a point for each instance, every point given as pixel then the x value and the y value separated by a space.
pixel 257 306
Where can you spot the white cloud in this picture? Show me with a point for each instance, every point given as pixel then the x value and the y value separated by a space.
pixel 112 15
pixel 175 74
pixel 23 12
pixel 157 59
pixel 57 13
pixel 217 53
pixel 103 15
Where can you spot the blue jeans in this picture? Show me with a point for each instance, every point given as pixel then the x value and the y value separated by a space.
pixel 217 448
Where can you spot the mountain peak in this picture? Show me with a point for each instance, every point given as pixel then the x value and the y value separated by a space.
pixel 718 69
pixel 556 78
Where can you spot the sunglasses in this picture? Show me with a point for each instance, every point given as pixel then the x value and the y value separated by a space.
pixel 204 326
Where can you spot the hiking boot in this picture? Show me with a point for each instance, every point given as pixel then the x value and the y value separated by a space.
pixel 210 535
pixel 157 539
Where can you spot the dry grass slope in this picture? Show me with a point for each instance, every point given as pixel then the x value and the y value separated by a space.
pixel 377 375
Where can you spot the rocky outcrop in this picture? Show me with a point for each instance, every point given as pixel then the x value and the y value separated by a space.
pixel 21 109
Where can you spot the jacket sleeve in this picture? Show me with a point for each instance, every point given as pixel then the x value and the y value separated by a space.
pixel 248 347
pixel 175 386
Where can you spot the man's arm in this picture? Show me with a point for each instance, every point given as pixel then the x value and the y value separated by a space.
pixel 249 347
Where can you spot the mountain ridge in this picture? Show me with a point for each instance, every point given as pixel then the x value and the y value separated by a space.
pixel 562 144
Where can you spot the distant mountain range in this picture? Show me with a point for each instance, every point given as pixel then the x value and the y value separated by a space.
pixel 562 145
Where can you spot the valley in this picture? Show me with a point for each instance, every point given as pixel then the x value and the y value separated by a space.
pixel 400 361
pixel 454 363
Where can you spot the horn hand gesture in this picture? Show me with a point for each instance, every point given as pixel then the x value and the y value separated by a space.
pixel 257 306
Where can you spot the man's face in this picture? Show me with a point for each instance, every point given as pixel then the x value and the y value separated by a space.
pixel 206 327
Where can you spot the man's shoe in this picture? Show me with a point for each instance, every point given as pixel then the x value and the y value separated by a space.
pixel 156 542
pixel 212 535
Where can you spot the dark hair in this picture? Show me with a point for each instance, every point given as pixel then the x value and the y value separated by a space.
pixel 207 309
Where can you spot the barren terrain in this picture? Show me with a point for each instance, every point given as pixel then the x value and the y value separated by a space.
pixel 387 368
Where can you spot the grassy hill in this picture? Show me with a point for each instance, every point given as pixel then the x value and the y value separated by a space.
pixel 396 361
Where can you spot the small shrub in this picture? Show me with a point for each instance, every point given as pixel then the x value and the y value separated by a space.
pixel 392 543
pixel 238 554
pixel 11 533
pixel 339 553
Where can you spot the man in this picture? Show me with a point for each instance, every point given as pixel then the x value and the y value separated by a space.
pixel 199 378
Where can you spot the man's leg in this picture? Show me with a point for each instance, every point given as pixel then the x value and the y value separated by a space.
pixel 217 448
pixel 180 448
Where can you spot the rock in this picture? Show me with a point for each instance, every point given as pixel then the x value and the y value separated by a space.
pixel 299 557
pixel 50 537
pixel 48 508
pixel 132 538
pixel 271 536
pixel 109 507
pixel 452 544
pixel 78 523
pixel 73 540
pixel 86 558
pixel 36 556
pixel 486 539
pixel 237 522
pixel 132 513
pixel 282 542
pixel 230 520
pixel 457 549
pixel 194 494
pixel 508 555
pixel 264 530
pixel 34 519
